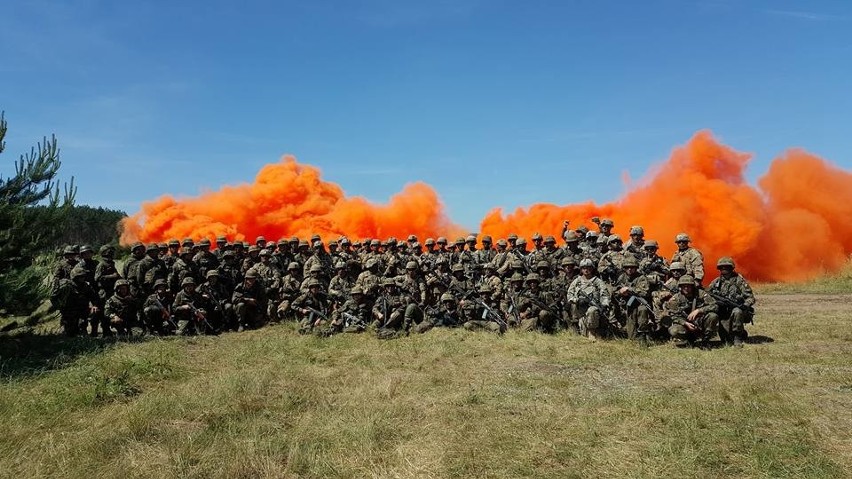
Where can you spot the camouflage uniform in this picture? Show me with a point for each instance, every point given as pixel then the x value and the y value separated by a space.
pixel 691 258
pixel 735 302
pixel 703 327
pixel 590 300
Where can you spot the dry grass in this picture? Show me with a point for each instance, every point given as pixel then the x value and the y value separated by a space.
pixel 270 403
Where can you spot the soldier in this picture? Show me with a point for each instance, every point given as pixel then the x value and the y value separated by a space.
pixel 559 288
pixel 460 284
pixel 412 284
pixel 442 246
pixel 63 269
pixel 204 259
pixel 512 240
pixel 610 264
pixel 249 300
pixel 229 271
pixel 653 265
pixel 369 281
pixel 636 243
pixel 269 278
pixel 536 307
pixel 691 258
pixel 633 292
pixel 290 290
pixel 588 297
pixel 486 254
pixel 150 269
pixel 252 259
pixel 500 262
pixel 260 242
pixel 445 314
pixel 394 312
pixel 218 297
pixel 172 254
pixel 76 300
pixel 693 314
pixel 487 315
pixel 605 227
pixel 190 310
pixel 511 298
pixel 157 310
pixel 106 276
pixel 312 308
pixel 341 283
pixel 221 245
pixel 492 279
pixel 735 302
pixel 392 259
pixel 120 309
pixel 353 316
pixel 182 268
pixel 319 257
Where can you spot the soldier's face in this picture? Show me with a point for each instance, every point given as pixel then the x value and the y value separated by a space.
pixel 687 289
pixel 682 245
pixel 651 251
pixel 249 282
pixel 726 271
pixel 630 270
pixel 587 272
pixel 123 291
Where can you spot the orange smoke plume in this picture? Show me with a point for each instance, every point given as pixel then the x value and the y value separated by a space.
pixel 794 227
pixel 286 199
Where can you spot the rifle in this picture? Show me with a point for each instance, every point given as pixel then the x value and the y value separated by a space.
pixel 488 311
pixel 315 312
pixel 353 320
pixel 642 301
pixel 166 316
pixel 200 317
pixel 732 304
pixel 513 309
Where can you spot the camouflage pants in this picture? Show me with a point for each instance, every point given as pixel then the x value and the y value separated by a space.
pixel 544 321
pixel 155 321
pixel 706 326
pixel 248 315
pixel 638 321
pixel 731 325
pixel 71 320
pixel 588 319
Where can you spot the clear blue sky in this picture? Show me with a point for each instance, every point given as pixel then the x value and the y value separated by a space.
pixel 494 103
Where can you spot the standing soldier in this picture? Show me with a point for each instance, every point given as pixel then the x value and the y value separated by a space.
pixel 588 296
pixel 693 314
pixel 172 255
pixel 106 276
pixel 735 301
pixel 653 265
pixel 412 284
pixel 691 258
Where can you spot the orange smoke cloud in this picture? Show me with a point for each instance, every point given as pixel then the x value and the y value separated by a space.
pixel 288 198
pixel 794 227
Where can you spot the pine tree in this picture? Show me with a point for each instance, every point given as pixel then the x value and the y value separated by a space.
pixel 31 213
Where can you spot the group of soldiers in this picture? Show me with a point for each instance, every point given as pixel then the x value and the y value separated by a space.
pixel 592 283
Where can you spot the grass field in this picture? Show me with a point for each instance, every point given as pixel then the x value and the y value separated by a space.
pixel 270 403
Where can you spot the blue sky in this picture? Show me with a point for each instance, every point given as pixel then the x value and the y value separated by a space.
pixel 494 103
